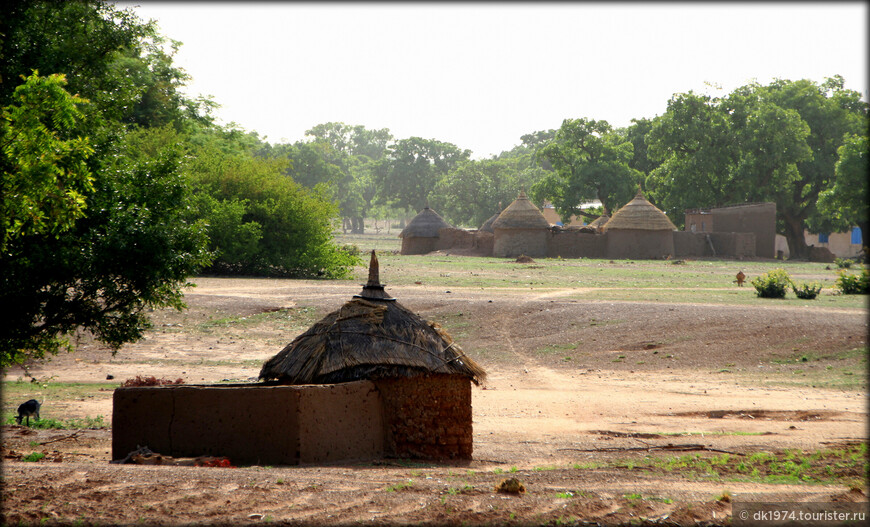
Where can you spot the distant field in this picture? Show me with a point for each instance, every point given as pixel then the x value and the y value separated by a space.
pixel 381 242
pixel 689 280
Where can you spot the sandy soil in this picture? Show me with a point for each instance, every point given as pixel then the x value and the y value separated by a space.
pixel 569 384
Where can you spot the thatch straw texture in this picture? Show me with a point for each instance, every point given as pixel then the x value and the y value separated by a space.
pixel 640 214
pixel 599 222
pixel 521 214
pixel 426 224
pixel 369 337
pixel 487 225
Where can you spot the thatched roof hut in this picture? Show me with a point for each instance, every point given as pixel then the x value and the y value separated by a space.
pixel 521 228
pixel 426 224
pixel 487 225
pixel 370 337
pixel 599 222
pixel 521 214
pixel 639 230
pixel 640 214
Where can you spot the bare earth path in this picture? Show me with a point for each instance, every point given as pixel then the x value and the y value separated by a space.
pixel 565 377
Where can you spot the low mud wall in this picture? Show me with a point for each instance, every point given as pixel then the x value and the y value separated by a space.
pixel 734 244
pixel 427 417
pixel 571 243
pixel 276 425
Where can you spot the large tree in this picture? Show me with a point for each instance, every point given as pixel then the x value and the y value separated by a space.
pixel 844 204
pixel 759 143
pixel 413 168
pixel 105 234
pixel 590 161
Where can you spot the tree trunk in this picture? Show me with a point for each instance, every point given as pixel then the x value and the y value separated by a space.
pixel 794 235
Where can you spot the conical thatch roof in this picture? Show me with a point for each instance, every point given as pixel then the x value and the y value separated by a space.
pixel 521 214
pixel 487 225
pixel 599 222
pixel 425 225
pixel 640 214
pixel 371 336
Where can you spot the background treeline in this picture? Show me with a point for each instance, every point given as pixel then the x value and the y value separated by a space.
pixel 117 186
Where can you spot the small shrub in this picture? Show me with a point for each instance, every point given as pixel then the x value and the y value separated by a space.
pixel 854 284
pixel 807 291
pixel 772 284
pixel 843 263
pixel 33 457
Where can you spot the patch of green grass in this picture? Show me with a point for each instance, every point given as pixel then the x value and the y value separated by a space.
pixel 400 486
pixel 828 466
pixel 66 424
pixel 545 468
pixel 33 457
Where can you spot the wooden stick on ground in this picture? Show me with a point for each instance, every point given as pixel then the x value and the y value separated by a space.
pixel 74 435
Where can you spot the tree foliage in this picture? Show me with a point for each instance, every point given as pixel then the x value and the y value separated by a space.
pixel 45 177
pixel 760 143
pixel 590 161
pixel 99 219
pixel 412 170
pixel 845 202
pixel 472 192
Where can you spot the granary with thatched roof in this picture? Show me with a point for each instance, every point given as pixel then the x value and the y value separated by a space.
pixel 420 235
pixel 520 229
pixel 639 230
pixel 423 376
pixel 369 380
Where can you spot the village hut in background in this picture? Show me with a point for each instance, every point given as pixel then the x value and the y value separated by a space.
pixel 422 374
pixel 639 230
pixel 520 229
pixel 487 225
pixel 420 236
pixel 599 222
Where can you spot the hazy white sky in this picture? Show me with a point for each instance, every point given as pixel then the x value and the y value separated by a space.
pixel 480 75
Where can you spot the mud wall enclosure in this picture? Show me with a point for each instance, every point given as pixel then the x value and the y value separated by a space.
pixel 424 417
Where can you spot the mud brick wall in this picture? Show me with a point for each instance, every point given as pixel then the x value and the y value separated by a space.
pixel 510 243
pixel 638 243
pixel 756 218
pixel 427 417
pixel 689 244
pixel 418 245
pixel 575 244
pixel 734 244
pixel 251 424
pixel 452 238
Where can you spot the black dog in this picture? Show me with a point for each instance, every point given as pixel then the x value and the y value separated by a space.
pixel 27 409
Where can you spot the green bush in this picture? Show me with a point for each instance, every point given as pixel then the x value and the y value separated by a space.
pixel 854 284
pixel 807 291
pixel 772 284
pixel 33 457
pixel 843 263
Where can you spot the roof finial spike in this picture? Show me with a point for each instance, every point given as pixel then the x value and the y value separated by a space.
pixel 374 271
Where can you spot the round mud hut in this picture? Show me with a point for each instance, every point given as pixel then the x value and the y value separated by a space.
pixel 639 230
pixel 520 229
pixel 422 375
pixel 420 235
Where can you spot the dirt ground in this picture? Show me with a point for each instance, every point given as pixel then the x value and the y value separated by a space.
pixel 572 389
